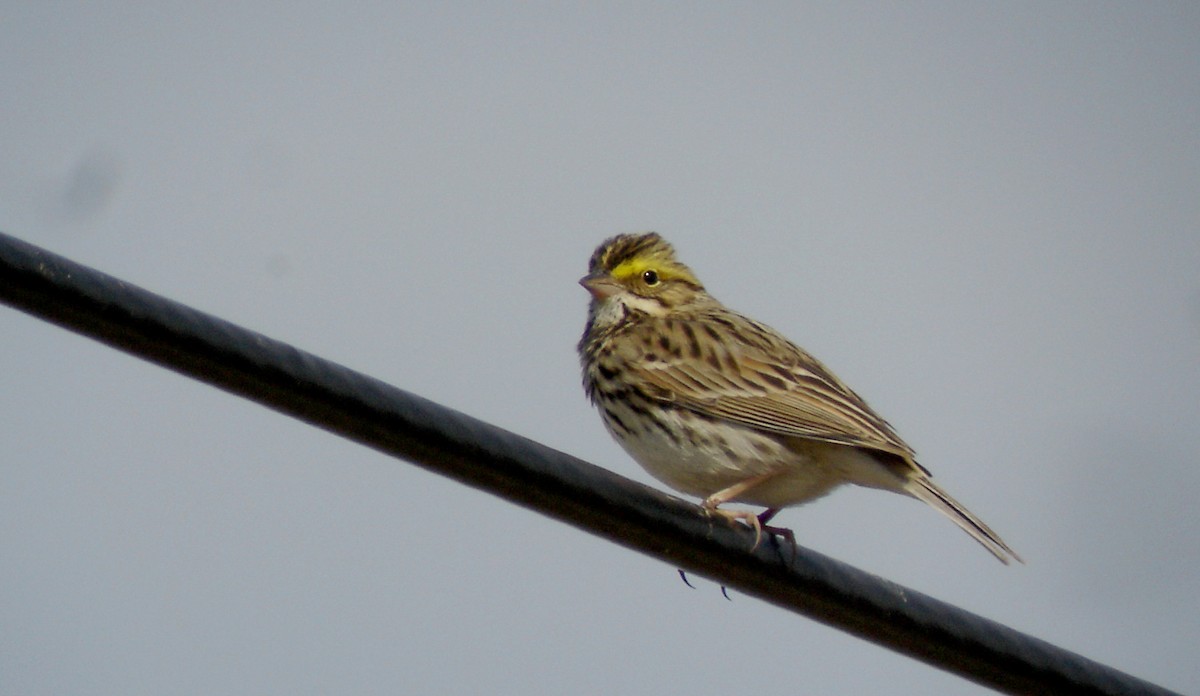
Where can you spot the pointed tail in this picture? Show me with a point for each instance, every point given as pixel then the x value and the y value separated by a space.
pixel 921 488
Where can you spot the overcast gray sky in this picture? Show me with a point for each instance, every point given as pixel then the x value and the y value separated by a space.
pixel 984 217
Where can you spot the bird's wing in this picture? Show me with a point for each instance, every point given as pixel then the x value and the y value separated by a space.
pixel 751 375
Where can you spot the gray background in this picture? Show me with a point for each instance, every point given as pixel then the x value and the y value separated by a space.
pixel 983 217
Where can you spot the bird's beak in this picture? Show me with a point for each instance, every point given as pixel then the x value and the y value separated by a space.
pixel 601 285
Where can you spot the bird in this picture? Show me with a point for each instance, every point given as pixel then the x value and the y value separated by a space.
pixel 722 407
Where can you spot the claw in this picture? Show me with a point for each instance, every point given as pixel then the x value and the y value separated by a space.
pixel 747 518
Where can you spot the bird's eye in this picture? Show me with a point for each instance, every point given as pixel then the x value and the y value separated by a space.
pixel 650 278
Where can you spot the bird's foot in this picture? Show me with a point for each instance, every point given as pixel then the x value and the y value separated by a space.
pixel 783 532
pixel 745 517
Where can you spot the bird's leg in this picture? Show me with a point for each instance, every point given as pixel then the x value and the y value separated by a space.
pixel 765 516
pixel 712 504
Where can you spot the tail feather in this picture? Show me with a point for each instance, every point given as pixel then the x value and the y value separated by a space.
pixel 923 489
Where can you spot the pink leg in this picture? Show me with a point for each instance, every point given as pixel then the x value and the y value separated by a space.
pixel 712 503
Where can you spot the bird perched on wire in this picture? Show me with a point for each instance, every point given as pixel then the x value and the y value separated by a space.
pixel 717 405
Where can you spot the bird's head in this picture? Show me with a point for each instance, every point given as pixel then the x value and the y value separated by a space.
pixel 640 272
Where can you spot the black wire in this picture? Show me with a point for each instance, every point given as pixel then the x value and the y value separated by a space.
pixel 481 455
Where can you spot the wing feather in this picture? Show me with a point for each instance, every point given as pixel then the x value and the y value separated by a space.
pixel 750 374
